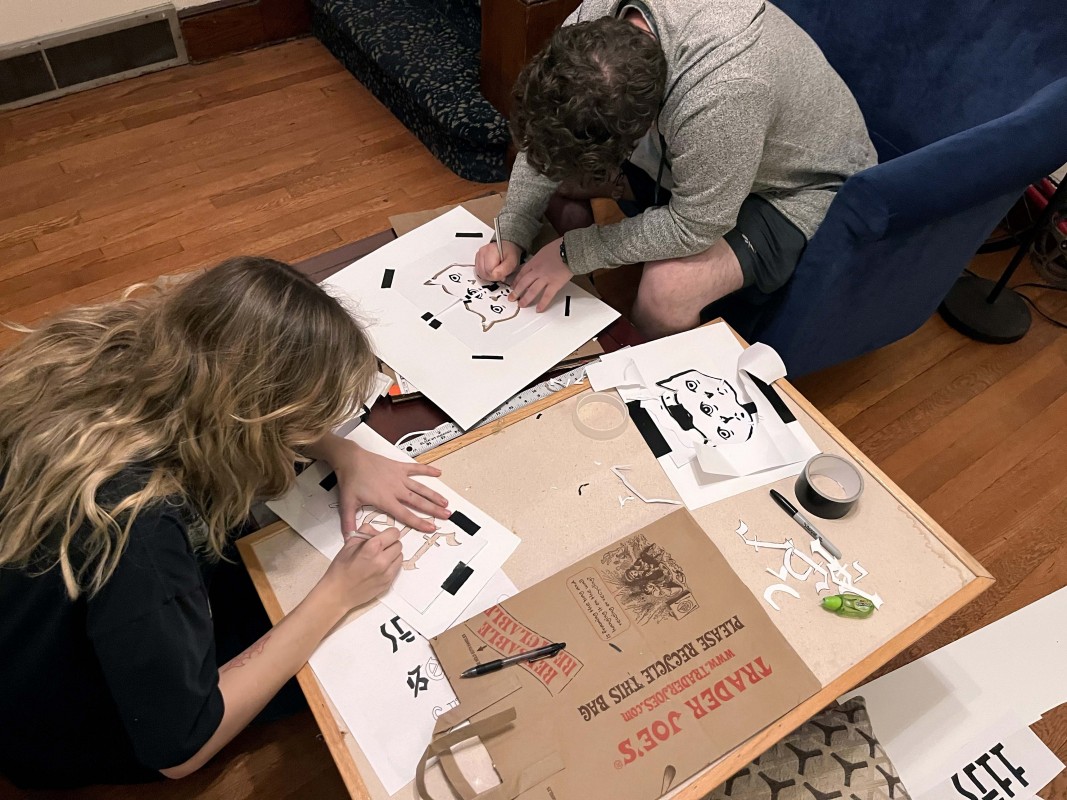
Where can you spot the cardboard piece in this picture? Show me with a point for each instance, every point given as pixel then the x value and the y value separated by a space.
pixel 670 663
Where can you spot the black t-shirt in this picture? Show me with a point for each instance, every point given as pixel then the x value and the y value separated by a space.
pixel 114 687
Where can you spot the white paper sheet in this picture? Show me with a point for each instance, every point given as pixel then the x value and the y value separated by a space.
pixel 1008 761
pixel 462 343
pixel 311 510
pixel 725 436
pixel 924 712
pixel 386 684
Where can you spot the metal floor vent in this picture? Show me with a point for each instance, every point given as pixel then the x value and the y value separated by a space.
pixel 83 58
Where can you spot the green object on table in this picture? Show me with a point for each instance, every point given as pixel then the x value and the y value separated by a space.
pixel 849 605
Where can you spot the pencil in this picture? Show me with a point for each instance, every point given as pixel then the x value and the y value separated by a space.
pixel 358 535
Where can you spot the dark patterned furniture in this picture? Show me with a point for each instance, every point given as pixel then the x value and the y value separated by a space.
pixel 421 59
pixel 833 756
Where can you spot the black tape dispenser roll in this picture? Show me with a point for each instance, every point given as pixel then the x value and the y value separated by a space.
pixel 816 489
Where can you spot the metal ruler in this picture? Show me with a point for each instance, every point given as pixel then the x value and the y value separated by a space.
pixel 420 441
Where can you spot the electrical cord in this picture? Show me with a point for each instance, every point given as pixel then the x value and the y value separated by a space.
pixel 1033 303
pixel 1029 300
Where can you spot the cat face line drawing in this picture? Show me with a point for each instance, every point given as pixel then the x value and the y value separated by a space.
pixel 707 407
pixel 488 300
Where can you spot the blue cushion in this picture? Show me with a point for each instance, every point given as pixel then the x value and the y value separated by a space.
pixel 922 70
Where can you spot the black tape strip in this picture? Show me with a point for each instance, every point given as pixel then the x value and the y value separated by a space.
pixel 777 403
pixel 648 430
pixel 454 582
pixel 469 235
pixel 435 323
pixel 387 278
pixel 490 358
pixel 427 316
pixel 567 307
pixel 464 523
pixel 492 287
pixel 329 482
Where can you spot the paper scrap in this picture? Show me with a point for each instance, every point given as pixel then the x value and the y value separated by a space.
pixel 617 472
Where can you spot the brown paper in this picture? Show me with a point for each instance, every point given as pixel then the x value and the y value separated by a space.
pixel 670 663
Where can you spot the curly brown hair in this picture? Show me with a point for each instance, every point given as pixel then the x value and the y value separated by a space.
pixel 582 104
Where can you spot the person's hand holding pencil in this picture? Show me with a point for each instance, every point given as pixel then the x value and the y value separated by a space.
pixel 366 566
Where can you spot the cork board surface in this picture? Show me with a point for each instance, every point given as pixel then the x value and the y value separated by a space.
pixel 527 477
pixel 537 497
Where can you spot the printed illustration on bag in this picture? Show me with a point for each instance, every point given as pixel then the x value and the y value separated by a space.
pixel 647 581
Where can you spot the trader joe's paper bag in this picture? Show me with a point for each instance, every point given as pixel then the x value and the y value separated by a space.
pixel 670 662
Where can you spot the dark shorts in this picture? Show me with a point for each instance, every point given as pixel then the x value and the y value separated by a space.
pixel 767 245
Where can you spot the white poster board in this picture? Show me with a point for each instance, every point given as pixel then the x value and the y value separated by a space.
pixel 461 340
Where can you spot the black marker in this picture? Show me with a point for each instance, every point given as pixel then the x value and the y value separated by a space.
pixel 802 521
pixel 547 651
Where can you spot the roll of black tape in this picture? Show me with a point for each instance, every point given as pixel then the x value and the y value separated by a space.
pixel 833 468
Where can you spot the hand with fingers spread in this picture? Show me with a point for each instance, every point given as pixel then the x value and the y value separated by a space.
pixel 366 478
pixel 541 278
pixel 488 264
pixel 364 568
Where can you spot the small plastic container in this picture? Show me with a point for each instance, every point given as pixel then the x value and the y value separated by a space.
pixel 848 605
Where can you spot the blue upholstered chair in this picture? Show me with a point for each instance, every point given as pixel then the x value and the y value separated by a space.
pixel 966 101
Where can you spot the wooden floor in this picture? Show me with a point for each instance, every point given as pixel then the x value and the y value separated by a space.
pixel 280 152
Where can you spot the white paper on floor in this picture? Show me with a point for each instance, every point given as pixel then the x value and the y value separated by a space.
pixel 705 406
pixel 388 687
pixel 1007 761
pixel 420 295
pixel 310 508
pixel 926 711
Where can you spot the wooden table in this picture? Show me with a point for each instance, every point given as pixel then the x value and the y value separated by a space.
pixel 524 471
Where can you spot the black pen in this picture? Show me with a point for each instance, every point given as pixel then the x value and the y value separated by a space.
pixel 547 651
pixel 802 521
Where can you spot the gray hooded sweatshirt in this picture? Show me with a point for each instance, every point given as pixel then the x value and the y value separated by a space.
pixel 751 106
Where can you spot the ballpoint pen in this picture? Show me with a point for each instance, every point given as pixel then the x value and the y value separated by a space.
pixel 530 655
pixel 802 521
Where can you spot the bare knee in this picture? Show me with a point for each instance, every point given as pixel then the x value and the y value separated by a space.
pixel 673 292
pixel 660 310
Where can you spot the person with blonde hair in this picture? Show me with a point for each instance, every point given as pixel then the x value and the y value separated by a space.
pixel 134 437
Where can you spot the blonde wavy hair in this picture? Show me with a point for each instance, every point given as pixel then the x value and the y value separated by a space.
pixel 208 389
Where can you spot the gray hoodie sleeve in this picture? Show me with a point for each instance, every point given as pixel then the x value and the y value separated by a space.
pixel 528 194
pixel 717 152
pixel 528 190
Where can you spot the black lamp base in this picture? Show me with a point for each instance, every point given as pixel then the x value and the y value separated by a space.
pixel 967 310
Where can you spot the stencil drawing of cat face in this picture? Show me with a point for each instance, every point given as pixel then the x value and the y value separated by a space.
pixel 458 280
pixel 707 408
pixel 492 306
pixel 488 301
